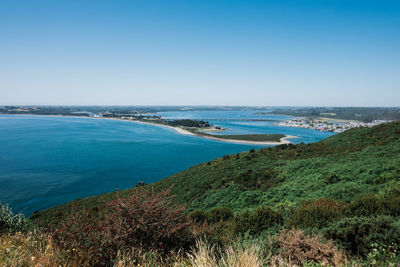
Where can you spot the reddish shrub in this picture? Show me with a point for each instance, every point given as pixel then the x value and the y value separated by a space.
pixel 149 221
pixel 146 221
pixel 81 236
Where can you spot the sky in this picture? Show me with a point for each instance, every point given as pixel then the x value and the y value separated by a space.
pixel 200 52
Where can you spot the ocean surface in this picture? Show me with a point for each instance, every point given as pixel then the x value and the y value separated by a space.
pixel 47 161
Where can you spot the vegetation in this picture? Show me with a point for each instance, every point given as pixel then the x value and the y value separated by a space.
pixel 9 222
pixel 247 137
pixel 189 123
pixel 333 202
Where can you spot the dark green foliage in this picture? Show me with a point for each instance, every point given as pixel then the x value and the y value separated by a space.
pixel 357 234
pixel 364 206
pixel 317 213
pixel 247 137
pixel 256 221
pixel 189 123
pixel 372 204
pixel 219 214
pixel 331 178
pixel 198 216
pixel 393 191
pixel 259 179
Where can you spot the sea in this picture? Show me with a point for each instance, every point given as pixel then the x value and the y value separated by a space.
pixel 47 161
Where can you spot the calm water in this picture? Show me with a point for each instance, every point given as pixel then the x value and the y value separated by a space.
pixel 46 161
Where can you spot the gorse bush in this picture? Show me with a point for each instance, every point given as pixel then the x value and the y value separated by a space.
pixel 198 216
pixel 317 213
pixel 144 221
pixel 219 214
pixel 357 234
pixel 374 205
pixel 256 221
pixel 9 222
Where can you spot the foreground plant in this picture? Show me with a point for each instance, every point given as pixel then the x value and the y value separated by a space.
pixel 33 249
pixel 297 249
pixel 9 222
pixel 145 221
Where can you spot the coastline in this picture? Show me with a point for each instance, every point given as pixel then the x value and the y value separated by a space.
pixel 178 130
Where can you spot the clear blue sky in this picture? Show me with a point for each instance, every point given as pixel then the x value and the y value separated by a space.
pixel 193 52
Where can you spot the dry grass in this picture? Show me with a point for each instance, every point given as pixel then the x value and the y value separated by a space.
pixel 233 256
pixel 298 249
pixel 33 249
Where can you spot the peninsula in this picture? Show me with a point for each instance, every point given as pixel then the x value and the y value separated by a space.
pixel 193 127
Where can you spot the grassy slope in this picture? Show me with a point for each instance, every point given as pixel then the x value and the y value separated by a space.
pixel 344 166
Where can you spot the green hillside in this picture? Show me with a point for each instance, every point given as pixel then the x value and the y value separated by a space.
pixel 342 167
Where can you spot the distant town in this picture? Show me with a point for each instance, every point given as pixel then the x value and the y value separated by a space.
pixel 327 125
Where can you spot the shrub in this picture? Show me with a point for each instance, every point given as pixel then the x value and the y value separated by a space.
pixel 393 191
pixel 149 221
pixel 256 221
pixel 144 221
pixel 317 213
pixel 331 178
pixel 198 216
pixel 364 206
pixel 373 205
pixel 298 249
pixel 82 235
pixel 356 234
pixel 9 222
pixel 219 214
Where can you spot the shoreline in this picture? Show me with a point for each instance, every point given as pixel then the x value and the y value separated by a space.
pixel 179 130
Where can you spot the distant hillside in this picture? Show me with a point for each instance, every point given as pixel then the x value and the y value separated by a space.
pixel 342 167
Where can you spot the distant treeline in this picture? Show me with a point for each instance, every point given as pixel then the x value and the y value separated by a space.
pixel 189 123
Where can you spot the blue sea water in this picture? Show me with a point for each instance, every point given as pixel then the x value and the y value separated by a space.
pixel 47 161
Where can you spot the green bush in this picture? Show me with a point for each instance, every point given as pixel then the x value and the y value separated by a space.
pixel 198 216
pixel 331 178
pixel 357 234
pixel 364 206
pixel 393 191
pixel 373 205
pixel 256 221
pixel 317 213
pixel 219 214
pixel 9 222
